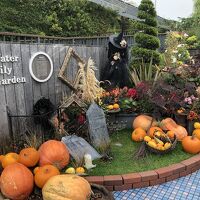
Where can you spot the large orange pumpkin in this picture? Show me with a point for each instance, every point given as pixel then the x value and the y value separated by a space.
pixel 73 187
pixel 144 122
pixel 9 158
pixel 138 134
pixel 16 181
pixel 43 174
pixel 170 124
pixel 29 157
pixel 191 144
pixel 54 153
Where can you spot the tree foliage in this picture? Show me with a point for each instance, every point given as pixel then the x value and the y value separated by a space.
pixel 146 39
pixel 57 17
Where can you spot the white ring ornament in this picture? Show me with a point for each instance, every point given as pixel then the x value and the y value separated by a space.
pixel 31 70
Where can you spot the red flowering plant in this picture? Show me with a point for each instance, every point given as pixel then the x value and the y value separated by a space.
pixel 124 99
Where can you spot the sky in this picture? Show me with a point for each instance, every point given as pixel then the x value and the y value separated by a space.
pixel 171 9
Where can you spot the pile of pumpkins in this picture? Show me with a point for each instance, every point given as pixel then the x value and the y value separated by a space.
pixel 153 133
pixel 20 173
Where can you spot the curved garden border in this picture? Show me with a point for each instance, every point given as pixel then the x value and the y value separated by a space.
pixel 147 178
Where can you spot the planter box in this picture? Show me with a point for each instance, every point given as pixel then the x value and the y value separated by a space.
pixel 123 118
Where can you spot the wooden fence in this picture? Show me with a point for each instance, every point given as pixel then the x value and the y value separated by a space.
pixel 73 41
pixel 18 98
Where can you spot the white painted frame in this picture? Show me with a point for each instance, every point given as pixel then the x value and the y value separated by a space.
pixel 31 62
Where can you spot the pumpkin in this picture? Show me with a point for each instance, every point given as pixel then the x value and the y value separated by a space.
pixel 153 130
pixel 116 106
pixel 73 187
pixel 80 170
pixel 138 134
pixel 36 169
pixel 144 122
pixel 196 132
pixel 170 134
pixel 29 157
pixel 16 181
pixel 9 158
pixel 54 153
pixel 191 144
pixel 170 124
pixel 43 174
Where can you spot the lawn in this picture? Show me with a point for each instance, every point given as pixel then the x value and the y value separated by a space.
pixel 123 161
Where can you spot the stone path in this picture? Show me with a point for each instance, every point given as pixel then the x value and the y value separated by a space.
pixel 184 188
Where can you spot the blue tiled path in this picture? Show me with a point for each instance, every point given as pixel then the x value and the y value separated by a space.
pixel 183 188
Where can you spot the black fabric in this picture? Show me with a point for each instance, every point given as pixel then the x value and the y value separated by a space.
pixel 44 110
pixel 116 71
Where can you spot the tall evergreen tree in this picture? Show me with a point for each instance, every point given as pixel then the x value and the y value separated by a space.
pixel 146 38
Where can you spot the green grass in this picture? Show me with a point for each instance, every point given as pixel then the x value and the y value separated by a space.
pixel 123 161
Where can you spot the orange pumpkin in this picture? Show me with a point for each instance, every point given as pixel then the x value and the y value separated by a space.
pixel 36 170
pixel 44 173
pixel 1 158
pixel 170 124
pixel 16 181
pixel 138 134
pixel 29 157
pixel 153 130
pixel 170 134
pixel 196 132
pixel 73 187
pixel 144 122
pixel 191 144
pixel 55 153
pixel 9 158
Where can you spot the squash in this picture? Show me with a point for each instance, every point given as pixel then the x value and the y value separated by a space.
pixel 191 144
pixel 138 134
pixel 9 158
pixel 171 125
pixel 66 187
pixel 144 122
pixel 55 153
pixel 29 157
pixel 16 181
pixel 44 173
pixel 196 132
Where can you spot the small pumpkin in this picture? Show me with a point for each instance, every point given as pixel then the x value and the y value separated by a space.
pixel 43 174
pixel 29 157
pixel 144 122
pixel 116 106
pixel 138 134
pixel 55 153
pixel 191 144
pixel 80 170
pixel 153 130
pixel 73 187
pixel 9 158
pixel 16 181
pixel 196 132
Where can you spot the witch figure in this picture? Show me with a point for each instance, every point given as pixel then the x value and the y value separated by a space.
pixel 116 71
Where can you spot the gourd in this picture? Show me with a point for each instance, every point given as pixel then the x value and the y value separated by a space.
pixel 138 134
pixel 66 187
pixel 54 153
pixel 191 144
pixel 144 122
pixel 170 124
pixel 16 181
pixel 9 158
pixel 44 173
pixel 29 157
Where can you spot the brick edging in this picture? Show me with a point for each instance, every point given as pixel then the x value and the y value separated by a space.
pixel 147 178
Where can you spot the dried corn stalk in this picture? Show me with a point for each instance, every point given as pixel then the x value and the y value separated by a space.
pixel 87 83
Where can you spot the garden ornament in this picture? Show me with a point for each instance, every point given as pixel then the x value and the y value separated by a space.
pixel 88 162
